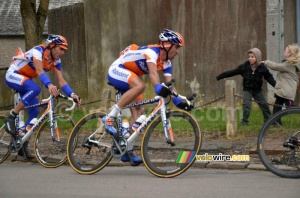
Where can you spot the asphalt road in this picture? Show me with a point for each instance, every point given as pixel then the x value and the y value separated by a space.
pixel 32 180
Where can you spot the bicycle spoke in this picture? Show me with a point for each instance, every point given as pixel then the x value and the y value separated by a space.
pixel 52 152
pixel 91 152
pixel 163 159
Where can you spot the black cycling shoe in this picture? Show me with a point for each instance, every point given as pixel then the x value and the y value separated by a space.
pixel 26 151
pixel 10 126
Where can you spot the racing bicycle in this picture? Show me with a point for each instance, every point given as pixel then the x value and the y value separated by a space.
pixel 279 141
pixel 50 141
pixel 170 142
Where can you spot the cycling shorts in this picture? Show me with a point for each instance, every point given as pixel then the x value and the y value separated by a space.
pixel 120 77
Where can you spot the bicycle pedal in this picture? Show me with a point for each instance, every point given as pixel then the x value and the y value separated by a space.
pixel 87 145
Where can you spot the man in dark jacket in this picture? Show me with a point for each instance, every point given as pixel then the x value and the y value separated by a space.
pixel 253 73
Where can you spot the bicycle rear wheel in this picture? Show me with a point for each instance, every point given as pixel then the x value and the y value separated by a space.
pixel 163 160
pixel 91 152
pixel 53 153
pixel 5 141
pixel 279 141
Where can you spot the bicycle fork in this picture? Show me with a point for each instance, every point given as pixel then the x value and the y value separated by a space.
pixel 53 123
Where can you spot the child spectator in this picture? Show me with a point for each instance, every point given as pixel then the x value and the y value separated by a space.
pixel 253 73
pixel 287 77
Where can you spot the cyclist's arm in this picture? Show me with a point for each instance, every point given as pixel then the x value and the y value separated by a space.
pixel 168 79
pixel 154 77
pixel 60 78
pixel 65 87
pixel 40 71
pixel 38 66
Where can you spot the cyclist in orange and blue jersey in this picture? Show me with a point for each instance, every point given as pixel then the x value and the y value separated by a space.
pixel 29 65
pixel 136 61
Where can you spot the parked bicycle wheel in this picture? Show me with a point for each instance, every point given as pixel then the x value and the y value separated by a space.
pixel 163 159
pixel 279 141
pixel 49 152
pixel 91 152
pixel 5 140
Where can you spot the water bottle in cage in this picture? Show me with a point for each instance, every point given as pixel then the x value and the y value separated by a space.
pixel 138 122
pixel 125 128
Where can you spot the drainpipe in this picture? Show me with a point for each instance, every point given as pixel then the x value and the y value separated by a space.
pixel 298 21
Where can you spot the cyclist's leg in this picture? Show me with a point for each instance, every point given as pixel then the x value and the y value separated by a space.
pixel 129 84
pixel 136 112
pixel 14 81
pixel 32 114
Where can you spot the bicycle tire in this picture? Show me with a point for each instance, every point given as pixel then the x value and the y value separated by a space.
pixel 86 157
pixel 162 159
pixel 277 158
pixel 52 153
pixel 5 141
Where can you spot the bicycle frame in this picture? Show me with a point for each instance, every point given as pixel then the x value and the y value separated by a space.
pixel 48 112
pixel 160 108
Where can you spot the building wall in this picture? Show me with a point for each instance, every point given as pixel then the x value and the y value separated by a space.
pixel 218 35
pixel 8 46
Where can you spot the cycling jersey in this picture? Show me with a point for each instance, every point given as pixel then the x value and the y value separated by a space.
pixel 133 63
pixel 22 70
pixel 26 67
pixel 135 59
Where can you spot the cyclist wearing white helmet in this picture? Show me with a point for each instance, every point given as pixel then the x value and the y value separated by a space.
pixel 29 65
pixel 136 61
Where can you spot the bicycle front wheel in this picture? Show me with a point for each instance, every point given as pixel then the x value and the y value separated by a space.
pixel 279 141
pixel 91 152
pixel 5 140
pixel 164 160
pixel 52 152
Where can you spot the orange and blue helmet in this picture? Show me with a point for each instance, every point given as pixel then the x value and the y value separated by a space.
pixel 59 40
pixel 172 37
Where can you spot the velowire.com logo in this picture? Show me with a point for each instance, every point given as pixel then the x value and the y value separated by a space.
pixel 188 156
pixel 221 157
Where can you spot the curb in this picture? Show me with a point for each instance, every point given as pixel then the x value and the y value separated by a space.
pixel 197 164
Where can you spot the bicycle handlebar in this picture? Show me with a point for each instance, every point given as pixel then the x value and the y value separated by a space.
pixel 187 99
pixel 64 97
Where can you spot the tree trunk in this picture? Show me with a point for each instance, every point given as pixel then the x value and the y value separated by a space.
pixel 33 21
